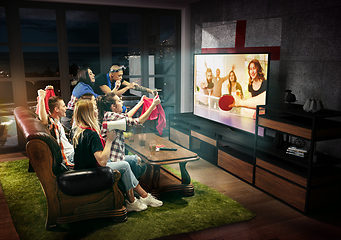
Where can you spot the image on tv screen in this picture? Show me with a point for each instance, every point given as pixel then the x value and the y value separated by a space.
pixel 242 76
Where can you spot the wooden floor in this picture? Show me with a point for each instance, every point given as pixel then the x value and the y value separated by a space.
pixel 274 220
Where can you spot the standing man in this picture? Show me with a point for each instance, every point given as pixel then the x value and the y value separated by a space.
pixel 218 82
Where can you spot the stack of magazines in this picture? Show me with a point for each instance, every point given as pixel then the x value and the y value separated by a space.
pixel 299 152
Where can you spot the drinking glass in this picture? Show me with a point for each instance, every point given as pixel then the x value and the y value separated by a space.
pixel 142 139
pixel 152 147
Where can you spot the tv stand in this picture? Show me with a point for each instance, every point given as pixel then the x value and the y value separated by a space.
pixel 260 159
pixel 224 146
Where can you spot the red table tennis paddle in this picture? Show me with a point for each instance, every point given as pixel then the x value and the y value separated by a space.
pixel 225 102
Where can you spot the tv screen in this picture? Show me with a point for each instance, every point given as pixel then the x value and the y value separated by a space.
pixel 217 77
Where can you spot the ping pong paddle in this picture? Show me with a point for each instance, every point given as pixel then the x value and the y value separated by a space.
pixel 225 102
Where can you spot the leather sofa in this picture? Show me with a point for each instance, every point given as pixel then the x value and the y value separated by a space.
pixel 71 195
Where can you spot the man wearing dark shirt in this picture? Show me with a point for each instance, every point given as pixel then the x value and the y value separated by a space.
pixel 112 81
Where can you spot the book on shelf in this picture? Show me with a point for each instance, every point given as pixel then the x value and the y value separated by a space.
pixel 299 152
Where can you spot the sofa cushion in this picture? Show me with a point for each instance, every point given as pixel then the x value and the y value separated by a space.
pixel 82 182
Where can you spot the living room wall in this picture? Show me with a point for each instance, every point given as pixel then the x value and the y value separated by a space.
pixel 307 33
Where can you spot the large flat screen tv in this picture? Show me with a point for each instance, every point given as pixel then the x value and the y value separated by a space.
pixel 243 76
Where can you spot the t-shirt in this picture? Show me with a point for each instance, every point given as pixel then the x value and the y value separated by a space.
pixel 259 91
pixel 218 82
pixel 57 131
pixel 103 79
pixel 88 144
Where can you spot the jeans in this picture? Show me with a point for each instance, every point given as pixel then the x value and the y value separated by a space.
pixel 138 168
pixel 127 176
pixel 70 158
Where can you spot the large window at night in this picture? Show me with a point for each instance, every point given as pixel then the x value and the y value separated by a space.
pixel 8 129
pixel 51 41
pixel 5 70
pixel 82 27
pixel 38 25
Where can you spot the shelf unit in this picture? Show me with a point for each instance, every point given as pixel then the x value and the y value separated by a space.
pixel 229 148
pixel 305 183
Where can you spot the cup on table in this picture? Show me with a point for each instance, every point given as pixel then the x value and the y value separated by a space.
pixel 131 136
pixel 142 139
pixel 152 147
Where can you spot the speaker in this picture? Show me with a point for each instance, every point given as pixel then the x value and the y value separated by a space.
pixel 119 124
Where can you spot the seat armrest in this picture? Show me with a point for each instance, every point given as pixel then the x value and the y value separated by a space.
pixel 83 182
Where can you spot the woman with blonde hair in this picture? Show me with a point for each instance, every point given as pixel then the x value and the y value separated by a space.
pixel 92 151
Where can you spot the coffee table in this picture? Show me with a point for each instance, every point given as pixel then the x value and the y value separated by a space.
pixel 157 179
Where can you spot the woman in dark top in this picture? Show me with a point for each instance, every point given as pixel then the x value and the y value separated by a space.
pixel 257 87
pixel 92 151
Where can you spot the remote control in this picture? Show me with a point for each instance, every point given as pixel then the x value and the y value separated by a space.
pixel 167 149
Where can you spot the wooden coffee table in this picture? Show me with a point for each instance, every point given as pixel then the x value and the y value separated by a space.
pixel 157 179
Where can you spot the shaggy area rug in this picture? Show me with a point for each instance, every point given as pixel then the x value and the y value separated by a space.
pixel 207 208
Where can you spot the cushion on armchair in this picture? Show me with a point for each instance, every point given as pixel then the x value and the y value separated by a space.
pixel 82 182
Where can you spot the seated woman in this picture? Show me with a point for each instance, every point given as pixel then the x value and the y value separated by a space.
pixel 92 151
pixel 86 80
pixel 110 109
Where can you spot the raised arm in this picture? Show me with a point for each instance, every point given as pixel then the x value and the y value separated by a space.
pixel 250 102
pixel 42 109
pixel 146 114
pixel 135 108
pixel 127 85
pixel 105 89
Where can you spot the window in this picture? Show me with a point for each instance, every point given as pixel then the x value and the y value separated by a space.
pixel 6 93
pixel 83 56
pixel 38 25
pixel 82 27
pixel 5 69
pixel 161 29
pixel 163 45
pixel 125 28
pixel 3 28
pixel 129 57
pixel 41 61
pixel 164 60
pixel 8 129
pixel 51 41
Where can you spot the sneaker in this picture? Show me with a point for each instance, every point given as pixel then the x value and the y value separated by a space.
pixel 136 206
pixel 150 200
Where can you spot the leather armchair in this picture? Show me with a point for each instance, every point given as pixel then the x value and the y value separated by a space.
pixel 71 195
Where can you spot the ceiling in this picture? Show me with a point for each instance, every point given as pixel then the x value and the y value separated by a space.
pixel 164 4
